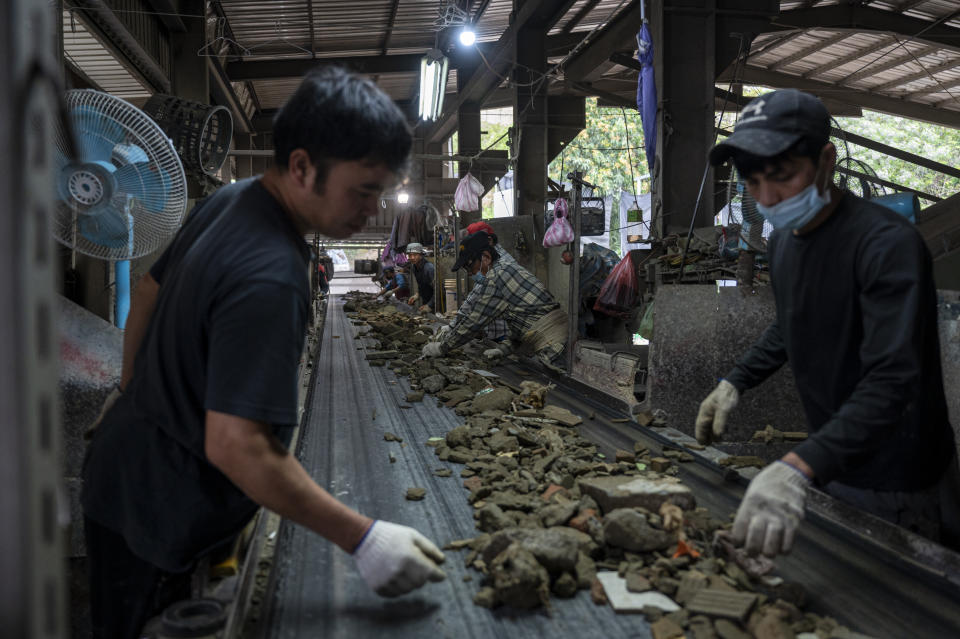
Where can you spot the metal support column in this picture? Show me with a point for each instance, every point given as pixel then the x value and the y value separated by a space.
pixel 32 591
pixel 573 302
pixel 530 121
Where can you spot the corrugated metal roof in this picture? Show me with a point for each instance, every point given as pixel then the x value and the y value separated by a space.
pixel 95 60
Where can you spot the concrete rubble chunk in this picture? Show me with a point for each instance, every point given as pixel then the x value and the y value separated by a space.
pixel 459 436
pixel 660 464
pixel 702 628
pixel 692 582
pixel 631 492
pixel 627 529
pixel 498 399
pixel 414 396
pixel 390 437
pixel 433 384
pixel 728 630
pixel 565 586
pixel 491 518
pixel 665 628
pixel 722 603
pixel 519 579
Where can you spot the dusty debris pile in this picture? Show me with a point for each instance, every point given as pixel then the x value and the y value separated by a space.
pixel 552 512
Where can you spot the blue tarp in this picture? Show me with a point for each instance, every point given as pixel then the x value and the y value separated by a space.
pixel 647 94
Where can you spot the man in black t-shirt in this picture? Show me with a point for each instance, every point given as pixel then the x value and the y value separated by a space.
pixel 857 320
pixel 425 273
pixel 198 436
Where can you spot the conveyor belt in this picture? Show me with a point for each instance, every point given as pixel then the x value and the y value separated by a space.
pixel 318 593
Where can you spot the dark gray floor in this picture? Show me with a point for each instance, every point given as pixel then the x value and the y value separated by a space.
pixel 319 594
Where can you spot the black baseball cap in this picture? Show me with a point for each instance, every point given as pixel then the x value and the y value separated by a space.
pixel 471 247
pixel 773 122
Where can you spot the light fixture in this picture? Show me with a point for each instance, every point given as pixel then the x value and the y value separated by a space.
pixel 403 197
pixel 467 36
pixel 433 84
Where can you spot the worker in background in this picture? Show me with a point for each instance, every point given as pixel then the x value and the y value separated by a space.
pixel 198 436
pixel 322 281
pixel 509 292
pixel 396 285
pixel 425 274
pixel 857 321
pixel 497 330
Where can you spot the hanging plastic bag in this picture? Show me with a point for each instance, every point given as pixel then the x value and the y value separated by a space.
pixel 560 231
pixel 619 293
pixel 467 195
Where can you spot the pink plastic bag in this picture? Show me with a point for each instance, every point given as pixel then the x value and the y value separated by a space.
pixel 560 231
pixel 619 293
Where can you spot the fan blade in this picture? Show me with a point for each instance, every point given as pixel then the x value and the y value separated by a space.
pixel 110 228
pixel 96 132
pixel 146 184
pixel 128 154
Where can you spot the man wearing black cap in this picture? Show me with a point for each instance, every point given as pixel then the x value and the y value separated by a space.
pixel 507 291
pixel 857 320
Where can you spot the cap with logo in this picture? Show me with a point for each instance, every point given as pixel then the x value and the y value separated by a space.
pixel 472 247
pixel 415 247
pixel 773 122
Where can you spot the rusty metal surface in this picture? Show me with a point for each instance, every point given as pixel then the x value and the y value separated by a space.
pixel 699 333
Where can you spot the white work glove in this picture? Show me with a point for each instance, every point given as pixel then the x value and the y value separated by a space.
pixel 442 332
pixel 107 405
pixel 771 511
pixel 712 418
pixel 492 353
pixel 380 298
pixel 431 349
pixel 412 299
pixel 395 559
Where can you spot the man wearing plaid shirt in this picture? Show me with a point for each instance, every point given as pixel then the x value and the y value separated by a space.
pixel 509 292
pixel 497 330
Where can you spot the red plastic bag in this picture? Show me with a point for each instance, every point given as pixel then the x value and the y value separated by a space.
pixel 619 293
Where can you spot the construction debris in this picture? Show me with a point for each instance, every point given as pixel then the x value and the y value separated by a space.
pixel 551 510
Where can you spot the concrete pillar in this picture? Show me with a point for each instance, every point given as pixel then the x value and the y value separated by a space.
pixel 468 118
pixel 530 120
pixel 685 70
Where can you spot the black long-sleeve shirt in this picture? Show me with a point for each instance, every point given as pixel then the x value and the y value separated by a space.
pixel 857 320
pixel 425 275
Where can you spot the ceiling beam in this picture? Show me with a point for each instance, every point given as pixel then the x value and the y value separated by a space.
pixel 776 42
pixel 166 13
pixel 892 63
pixel 581 14
pixel 389 32
pixel 940 87
pixel 274 69
pixel 862 18
pixel 313 35
pixel 541 13
pixel 620 31
pixel 881 43
pixel 925 72
pixel 754 75
pixel 220 86
pixel 819 45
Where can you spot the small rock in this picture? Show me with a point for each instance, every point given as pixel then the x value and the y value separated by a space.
pixel 565 586
pixel 443 472
pixel 660 464
pixel 390 437
pixel 416 493
pixel 665 628
pixel 625 456
pixel 597 593
pixel 498 399
pixel 636 582
pixel 393 460
pixel 486 597
pixel 414 396
pixel 491 518
pixel 433 383
pixel 729 630
pixel 631 492
pixel 626 528
pixel 583 520
pixel 557 514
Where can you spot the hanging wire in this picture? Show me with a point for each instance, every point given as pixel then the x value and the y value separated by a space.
pixel 633 179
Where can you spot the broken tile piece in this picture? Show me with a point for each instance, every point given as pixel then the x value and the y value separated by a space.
pixel 722 603
pixel 624 601
pixel 416 493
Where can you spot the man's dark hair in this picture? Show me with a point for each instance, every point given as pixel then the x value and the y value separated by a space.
pixel 748 163
pixel 337 115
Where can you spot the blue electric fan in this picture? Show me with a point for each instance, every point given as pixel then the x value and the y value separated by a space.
pixel 126 192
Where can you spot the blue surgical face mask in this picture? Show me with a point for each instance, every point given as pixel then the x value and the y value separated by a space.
pixel 478 277
pixel 796 212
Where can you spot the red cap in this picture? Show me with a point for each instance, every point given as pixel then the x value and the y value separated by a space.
pixel 480 226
